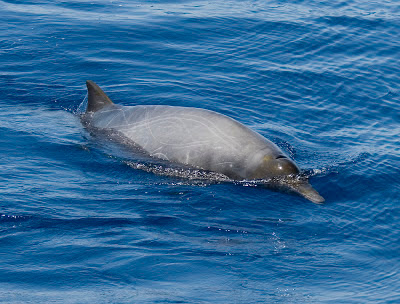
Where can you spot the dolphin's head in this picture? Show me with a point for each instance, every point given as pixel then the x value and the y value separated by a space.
pixel 283 173
pixel 280 165
pixel 275 166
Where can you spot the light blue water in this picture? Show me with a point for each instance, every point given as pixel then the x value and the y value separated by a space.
pixel 79 224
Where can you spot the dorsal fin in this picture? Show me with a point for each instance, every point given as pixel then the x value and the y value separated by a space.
pixel 97 99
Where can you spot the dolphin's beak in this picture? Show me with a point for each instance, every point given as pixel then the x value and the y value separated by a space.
pixel 303 188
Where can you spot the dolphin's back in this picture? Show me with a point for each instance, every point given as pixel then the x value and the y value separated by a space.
pixel 191 136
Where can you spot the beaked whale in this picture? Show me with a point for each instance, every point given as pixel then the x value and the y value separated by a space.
pixel 198 138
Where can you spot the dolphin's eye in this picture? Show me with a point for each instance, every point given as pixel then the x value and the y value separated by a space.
pixel 280 156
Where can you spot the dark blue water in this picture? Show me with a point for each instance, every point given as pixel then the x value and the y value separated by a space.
pixel 79 224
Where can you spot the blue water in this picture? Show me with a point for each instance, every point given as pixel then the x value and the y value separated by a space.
pixel 80 224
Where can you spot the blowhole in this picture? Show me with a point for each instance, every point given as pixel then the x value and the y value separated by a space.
pixel 281 156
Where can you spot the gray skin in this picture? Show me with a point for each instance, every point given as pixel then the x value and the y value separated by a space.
pixel 198 138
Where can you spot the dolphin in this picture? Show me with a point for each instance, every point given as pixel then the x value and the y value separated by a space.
pixel 198 138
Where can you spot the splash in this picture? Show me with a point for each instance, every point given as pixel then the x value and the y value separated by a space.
pixel 191 174
pixel 82 106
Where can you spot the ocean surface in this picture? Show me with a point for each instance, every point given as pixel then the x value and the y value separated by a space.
pixel 83 221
